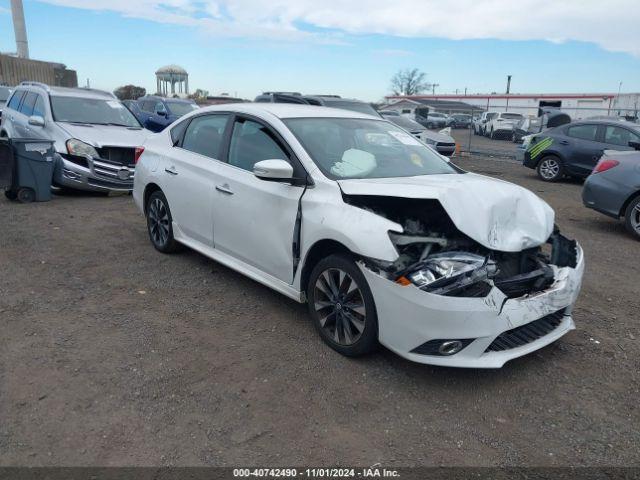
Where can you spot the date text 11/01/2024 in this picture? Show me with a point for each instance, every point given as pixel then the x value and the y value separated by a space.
pixel 368 472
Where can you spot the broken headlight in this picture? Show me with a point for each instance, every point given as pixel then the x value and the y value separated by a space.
pixel 446 273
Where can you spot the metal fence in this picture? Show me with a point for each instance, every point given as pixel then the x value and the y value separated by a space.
pixel 500 136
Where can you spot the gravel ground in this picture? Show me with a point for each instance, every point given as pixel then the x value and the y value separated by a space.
pixel 113 354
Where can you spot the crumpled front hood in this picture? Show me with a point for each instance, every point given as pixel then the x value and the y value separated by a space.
pixel 497 214
pixel 106 135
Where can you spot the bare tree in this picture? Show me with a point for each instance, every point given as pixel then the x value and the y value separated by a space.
pixel 409 82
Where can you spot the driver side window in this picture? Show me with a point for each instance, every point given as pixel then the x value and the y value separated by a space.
pixel 160 108
pixel 252 142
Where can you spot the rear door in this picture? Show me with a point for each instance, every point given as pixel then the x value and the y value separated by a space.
pixel 190 173
pixel 582 148
pixel 254 220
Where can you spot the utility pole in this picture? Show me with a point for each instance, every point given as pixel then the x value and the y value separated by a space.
pixel 465 91
pixel 433 88
pixel 508 90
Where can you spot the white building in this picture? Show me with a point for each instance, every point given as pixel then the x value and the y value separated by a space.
pixel 577 105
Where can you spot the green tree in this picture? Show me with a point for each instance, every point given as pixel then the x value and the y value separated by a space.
pixel 129 92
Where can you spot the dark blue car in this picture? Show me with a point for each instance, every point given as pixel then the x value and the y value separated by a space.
pixel 156 113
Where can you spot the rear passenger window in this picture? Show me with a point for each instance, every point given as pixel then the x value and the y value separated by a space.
pixel 27 104
pixel 204 135
pixel 619 136
pixel 14 103
pixel 584 132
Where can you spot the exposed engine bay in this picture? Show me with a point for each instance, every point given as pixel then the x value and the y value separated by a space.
pixel 437 257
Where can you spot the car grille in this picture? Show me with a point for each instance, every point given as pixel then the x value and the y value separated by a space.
pixel 119 155
pixel 527 333
pixel 114 163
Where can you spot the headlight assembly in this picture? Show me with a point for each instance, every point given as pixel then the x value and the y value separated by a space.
pixel 445 273
pixel 80 149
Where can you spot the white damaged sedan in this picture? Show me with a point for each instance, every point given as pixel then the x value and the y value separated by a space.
pixel 387 241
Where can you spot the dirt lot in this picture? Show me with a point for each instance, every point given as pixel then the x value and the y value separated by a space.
pixel 113 354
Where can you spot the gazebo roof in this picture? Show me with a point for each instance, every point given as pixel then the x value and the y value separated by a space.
pixel 171 69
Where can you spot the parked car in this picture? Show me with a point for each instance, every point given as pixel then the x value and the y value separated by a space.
pixel 613 188
pixel 5 92
pixel 526 126
pixel 460 120
pixel 383 239
pixel 479 125
pixel 334 101
pixel 430 119
pixel 443 144
pixel 501 125
pixel 575 148
pixel 133 107
pixel 157 113
pixel 95 137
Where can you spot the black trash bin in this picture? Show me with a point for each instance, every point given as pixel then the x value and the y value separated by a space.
pixel 31 165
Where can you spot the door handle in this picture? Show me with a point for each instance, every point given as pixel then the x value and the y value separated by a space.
pixel 564 142
pixel 171 170
pixel 224 189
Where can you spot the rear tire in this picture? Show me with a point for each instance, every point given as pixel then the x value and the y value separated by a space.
pixel 632 217
pixel 159 223
pixel 341 306
pixel 550 169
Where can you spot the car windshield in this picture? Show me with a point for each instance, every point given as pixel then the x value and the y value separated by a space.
pixel 181 108
pixel 94 111
pixel 360 148
pixel 436 114
pixel 407 123
pixel 359 107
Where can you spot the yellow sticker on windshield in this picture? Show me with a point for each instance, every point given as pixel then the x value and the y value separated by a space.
pixel 415 158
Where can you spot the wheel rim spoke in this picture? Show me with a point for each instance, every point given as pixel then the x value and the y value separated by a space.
pixel 339 306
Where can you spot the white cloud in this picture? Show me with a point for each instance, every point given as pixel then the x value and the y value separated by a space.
pixel 611 24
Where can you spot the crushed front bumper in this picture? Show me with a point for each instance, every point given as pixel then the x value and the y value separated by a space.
pixel 97 175
pixel 409 317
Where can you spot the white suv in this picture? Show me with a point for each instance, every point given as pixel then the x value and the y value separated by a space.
pixel 501 125
pixel 384 239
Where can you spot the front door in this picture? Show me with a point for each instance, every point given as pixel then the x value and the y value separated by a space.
pixel 254 219
pixel 190 173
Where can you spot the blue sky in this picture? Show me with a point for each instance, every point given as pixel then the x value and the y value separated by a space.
pixel 227 49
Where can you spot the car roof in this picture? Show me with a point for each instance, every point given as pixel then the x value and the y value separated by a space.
pixel 286 110
pixel 77 92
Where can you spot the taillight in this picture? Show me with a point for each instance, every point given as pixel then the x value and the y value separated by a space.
pixel 604 165
pixel 139 151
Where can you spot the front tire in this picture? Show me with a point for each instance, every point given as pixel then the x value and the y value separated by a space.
pixel 632 217
pixel 159 223
pixel 341 306
pixel 550 169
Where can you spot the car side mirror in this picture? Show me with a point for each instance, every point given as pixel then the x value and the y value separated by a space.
pixel 36 121
pixel 275 170
pixel 162 113
pixel 635 145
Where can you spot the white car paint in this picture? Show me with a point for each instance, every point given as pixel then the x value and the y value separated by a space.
pixel 252 231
